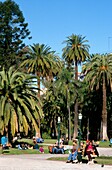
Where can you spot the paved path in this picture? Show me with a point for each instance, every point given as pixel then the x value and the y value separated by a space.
pixel 40 162
pixel 105 151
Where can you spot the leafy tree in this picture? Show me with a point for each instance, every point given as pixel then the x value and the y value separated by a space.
pixel 99 74
pixel 58 99
pixel 91 106
pixel 75 52
pixel 20 109
pixel 13 30
pixel 66 83
pixel 51 107
pixel 56 67
pixel 41 61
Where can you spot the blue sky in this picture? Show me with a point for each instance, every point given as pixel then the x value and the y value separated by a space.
pixel 51 21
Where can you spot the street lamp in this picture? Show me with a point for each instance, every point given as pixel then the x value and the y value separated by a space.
pixel 58 131
pixel 80 118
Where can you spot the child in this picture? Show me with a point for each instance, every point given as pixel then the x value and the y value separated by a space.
pixel 41 149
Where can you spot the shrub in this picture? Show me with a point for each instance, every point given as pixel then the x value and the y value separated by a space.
pixel 46 136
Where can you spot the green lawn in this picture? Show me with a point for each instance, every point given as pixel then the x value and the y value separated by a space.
pixel 14 151
pixel 53 141
pixel 104 144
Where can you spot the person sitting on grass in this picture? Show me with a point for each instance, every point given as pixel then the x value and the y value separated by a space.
pixel 4 142
pixel 55 148
pixel 30 146
pixel 61 148
pixel 41 149
pixel 36 146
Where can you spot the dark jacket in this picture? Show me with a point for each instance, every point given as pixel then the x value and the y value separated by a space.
pixel 94 148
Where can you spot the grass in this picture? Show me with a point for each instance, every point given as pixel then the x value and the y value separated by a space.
pixel 104 160
pixel 46 141
pixel 50 141
pixel 104 144
pixel 14 151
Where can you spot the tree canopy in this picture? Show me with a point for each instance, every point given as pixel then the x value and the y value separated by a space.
pixel 20 109
pixel 13 30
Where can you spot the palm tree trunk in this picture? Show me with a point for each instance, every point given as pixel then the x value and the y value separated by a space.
pixel 76 120
pixel 76 71
pixel 69 130
pixel 38 83
pixel 76 106
pixel 38 94
pixel 104 112
pixel 69 117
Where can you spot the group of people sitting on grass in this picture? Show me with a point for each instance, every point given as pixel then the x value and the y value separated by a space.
pixel 88 149
pixel 24 146
pixel 58 147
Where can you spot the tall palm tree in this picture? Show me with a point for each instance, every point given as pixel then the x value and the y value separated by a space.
pixel 56 66
pixel 37 61
pixel 66 83
pixel 51 106
pixel 42 62
pixel 99 73
pixel 20 109
pixel 76 52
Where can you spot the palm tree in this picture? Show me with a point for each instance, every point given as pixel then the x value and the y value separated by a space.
pixel 42 62
pixel 99 73
pixel 66 83
pixel 76 52
pixel 20 109
pixel 37 61
pixel 51 106
pixel 56 66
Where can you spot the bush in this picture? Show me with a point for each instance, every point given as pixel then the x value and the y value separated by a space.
pixel 46 136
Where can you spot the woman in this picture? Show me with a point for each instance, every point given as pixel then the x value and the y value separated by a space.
pixel 90 151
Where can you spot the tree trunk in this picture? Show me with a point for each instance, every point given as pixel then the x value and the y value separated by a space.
pixel 76 120
pixel 69 120
pixel 69 116
pixel 38 94
pixel 76 106
pixel 55 130
pixel 38 84
pixel 104 112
